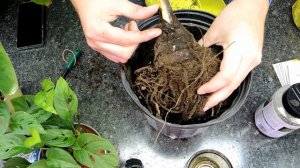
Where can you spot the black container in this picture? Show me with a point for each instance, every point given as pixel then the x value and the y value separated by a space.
pixel 197 23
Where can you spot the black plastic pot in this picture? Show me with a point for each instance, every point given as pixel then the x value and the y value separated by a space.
pixel 197 23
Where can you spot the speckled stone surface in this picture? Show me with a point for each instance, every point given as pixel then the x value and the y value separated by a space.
pixel 105 105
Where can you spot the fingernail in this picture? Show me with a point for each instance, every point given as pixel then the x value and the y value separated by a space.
pixel 201 92
pixel 200 42
pixel 154 6
pixel 155 33
pixel 205 109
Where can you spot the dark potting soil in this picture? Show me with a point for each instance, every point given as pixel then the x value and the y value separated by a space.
pixel 145 56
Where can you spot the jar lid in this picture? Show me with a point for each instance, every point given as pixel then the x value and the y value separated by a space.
pixel 291 100
pixel 208 159
pixel 134 163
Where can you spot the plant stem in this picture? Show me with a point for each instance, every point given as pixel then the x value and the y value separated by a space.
pixel 72 125
pixel 78 120
pixel 8 98
pixel 166 11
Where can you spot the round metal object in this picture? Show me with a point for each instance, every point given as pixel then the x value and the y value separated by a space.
pixel 208 159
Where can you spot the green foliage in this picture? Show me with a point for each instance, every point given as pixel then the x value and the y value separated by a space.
pixel 39 164
pixel 95 152
pixel 46 121
pixel 44 98
pixel 16 162
pixel 56 158
pixel 23 103
pixel 8 78
pixel 59 138
pixel 11 145
pixel 42 2
pixel 55 122
pixel 22 122
pixel 26 103
pixel 34 139
pixel 4 117
pixel 65 100
pixel 59 158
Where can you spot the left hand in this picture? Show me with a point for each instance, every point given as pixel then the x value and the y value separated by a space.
pixel 113 42
pixel 239 29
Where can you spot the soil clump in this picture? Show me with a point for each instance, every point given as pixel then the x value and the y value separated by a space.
pixel 180 66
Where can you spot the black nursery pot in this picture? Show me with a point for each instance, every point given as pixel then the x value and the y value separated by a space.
pixel 197 23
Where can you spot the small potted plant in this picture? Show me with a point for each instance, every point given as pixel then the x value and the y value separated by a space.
pixel 45 121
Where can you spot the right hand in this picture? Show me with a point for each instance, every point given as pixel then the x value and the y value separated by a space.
pixel 239 29
pixel 114 43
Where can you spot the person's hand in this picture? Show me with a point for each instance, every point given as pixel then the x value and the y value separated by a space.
pixel 113 42
pixel 239 29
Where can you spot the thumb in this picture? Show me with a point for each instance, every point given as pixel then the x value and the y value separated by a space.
pixel 135 11
pixel 209 38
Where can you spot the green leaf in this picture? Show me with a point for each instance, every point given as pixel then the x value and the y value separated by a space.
pixel 95 152
pixel 16 162
pixel 39 164
pixel 4 117
pixel 11 145
pixel 59 158
pixel 42 2
pixel 65 100
pixel 34 139
pixel 59 138
pixel 22 122
pixel 55 122
pixel 39 114
pixel 8 78
pixel 23 103
pixel 47 85
pixel 45 98
pixel 26 103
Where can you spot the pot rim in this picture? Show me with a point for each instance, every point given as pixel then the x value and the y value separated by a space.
pixel 90 127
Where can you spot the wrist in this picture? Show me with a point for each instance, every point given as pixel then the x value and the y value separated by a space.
pixel 269 1
pixel 259 7
pixel 76 4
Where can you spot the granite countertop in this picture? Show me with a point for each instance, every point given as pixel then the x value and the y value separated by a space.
pixel 105 105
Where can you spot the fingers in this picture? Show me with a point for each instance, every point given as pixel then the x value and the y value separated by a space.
pixel 116 53
pixel 122 52
pixel 118 36
pixel 228 69
pixel 115 43
pixel 205 41
pixel 210 37
pixel 226 81
pixel 224 92
pixel 135 11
